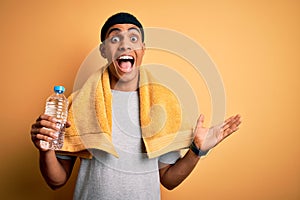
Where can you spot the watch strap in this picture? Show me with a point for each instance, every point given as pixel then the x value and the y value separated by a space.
pixel 198 151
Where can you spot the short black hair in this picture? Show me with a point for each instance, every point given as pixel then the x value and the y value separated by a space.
pixel 120 18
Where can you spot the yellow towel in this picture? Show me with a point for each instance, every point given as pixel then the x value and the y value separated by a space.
pixel 90 113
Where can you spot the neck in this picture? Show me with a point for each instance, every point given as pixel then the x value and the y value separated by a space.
pixel 123 86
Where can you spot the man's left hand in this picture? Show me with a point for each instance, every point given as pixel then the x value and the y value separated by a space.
pixel 207 138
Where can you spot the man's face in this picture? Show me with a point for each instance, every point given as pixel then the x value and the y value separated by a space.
pixel 124 50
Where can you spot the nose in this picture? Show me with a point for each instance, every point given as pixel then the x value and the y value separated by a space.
pixel 125 45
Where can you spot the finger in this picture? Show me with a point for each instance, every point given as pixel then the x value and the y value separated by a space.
pixel 236 122
pixel 43 141
pixel 43 117
pixel 45 134
pixel 232 127
pixel 43 145
pixel 234 117
pixel 47 118
pixel 47 124
pixel 49 132
pixel 231 121
pixel 225 126
pixel 235 126
pixel 35 133
pixel 227 123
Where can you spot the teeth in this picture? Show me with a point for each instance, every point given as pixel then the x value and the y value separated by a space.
pixel 126 57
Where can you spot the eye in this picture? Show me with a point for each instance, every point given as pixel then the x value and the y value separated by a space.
pixel 115 39
pixel 133 38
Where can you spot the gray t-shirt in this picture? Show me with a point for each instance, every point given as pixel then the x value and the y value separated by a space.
pixel 131 176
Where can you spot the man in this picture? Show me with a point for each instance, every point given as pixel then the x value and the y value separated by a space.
pixel 132 175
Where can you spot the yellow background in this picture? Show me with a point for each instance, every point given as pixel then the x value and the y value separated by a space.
pixel 255 45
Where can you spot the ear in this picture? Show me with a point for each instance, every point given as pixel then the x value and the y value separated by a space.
pixel 102 50
pixel 143 48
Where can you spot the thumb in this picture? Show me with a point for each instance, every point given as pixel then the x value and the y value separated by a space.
pixel 68 124
pixel 200 121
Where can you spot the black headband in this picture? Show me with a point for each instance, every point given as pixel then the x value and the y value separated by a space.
pixel 120 18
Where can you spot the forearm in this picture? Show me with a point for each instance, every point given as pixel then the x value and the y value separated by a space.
pixel 205 139
pixel 178 172
pixel 52 170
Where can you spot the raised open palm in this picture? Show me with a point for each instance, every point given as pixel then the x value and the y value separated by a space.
pixel 207 138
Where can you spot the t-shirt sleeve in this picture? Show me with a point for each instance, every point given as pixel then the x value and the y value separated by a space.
pixel 170 158
pixel 64 157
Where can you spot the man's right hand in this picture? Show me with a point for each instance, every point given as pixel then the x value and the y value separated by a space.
pixel 55 171
pixel 43 130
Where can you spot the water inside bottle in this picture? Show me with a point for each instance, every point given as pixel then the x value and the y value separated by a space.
pixel 57 108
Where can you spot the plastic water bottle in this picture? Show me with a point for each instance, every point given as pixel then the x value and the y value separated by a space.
pixel 57 106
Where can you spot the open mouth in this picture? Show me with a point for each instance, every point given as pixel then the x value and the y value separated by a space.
pixel 125 63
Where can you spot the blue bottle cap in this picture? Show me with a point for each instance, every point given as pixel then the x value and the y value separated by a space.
pixel 59 89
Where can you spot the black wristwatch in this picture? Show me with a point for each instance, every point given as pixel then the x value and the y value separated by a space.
pixel 198 151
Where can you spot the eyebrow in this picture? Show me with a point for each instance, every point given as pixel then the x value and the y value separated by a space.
pixel 119 30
